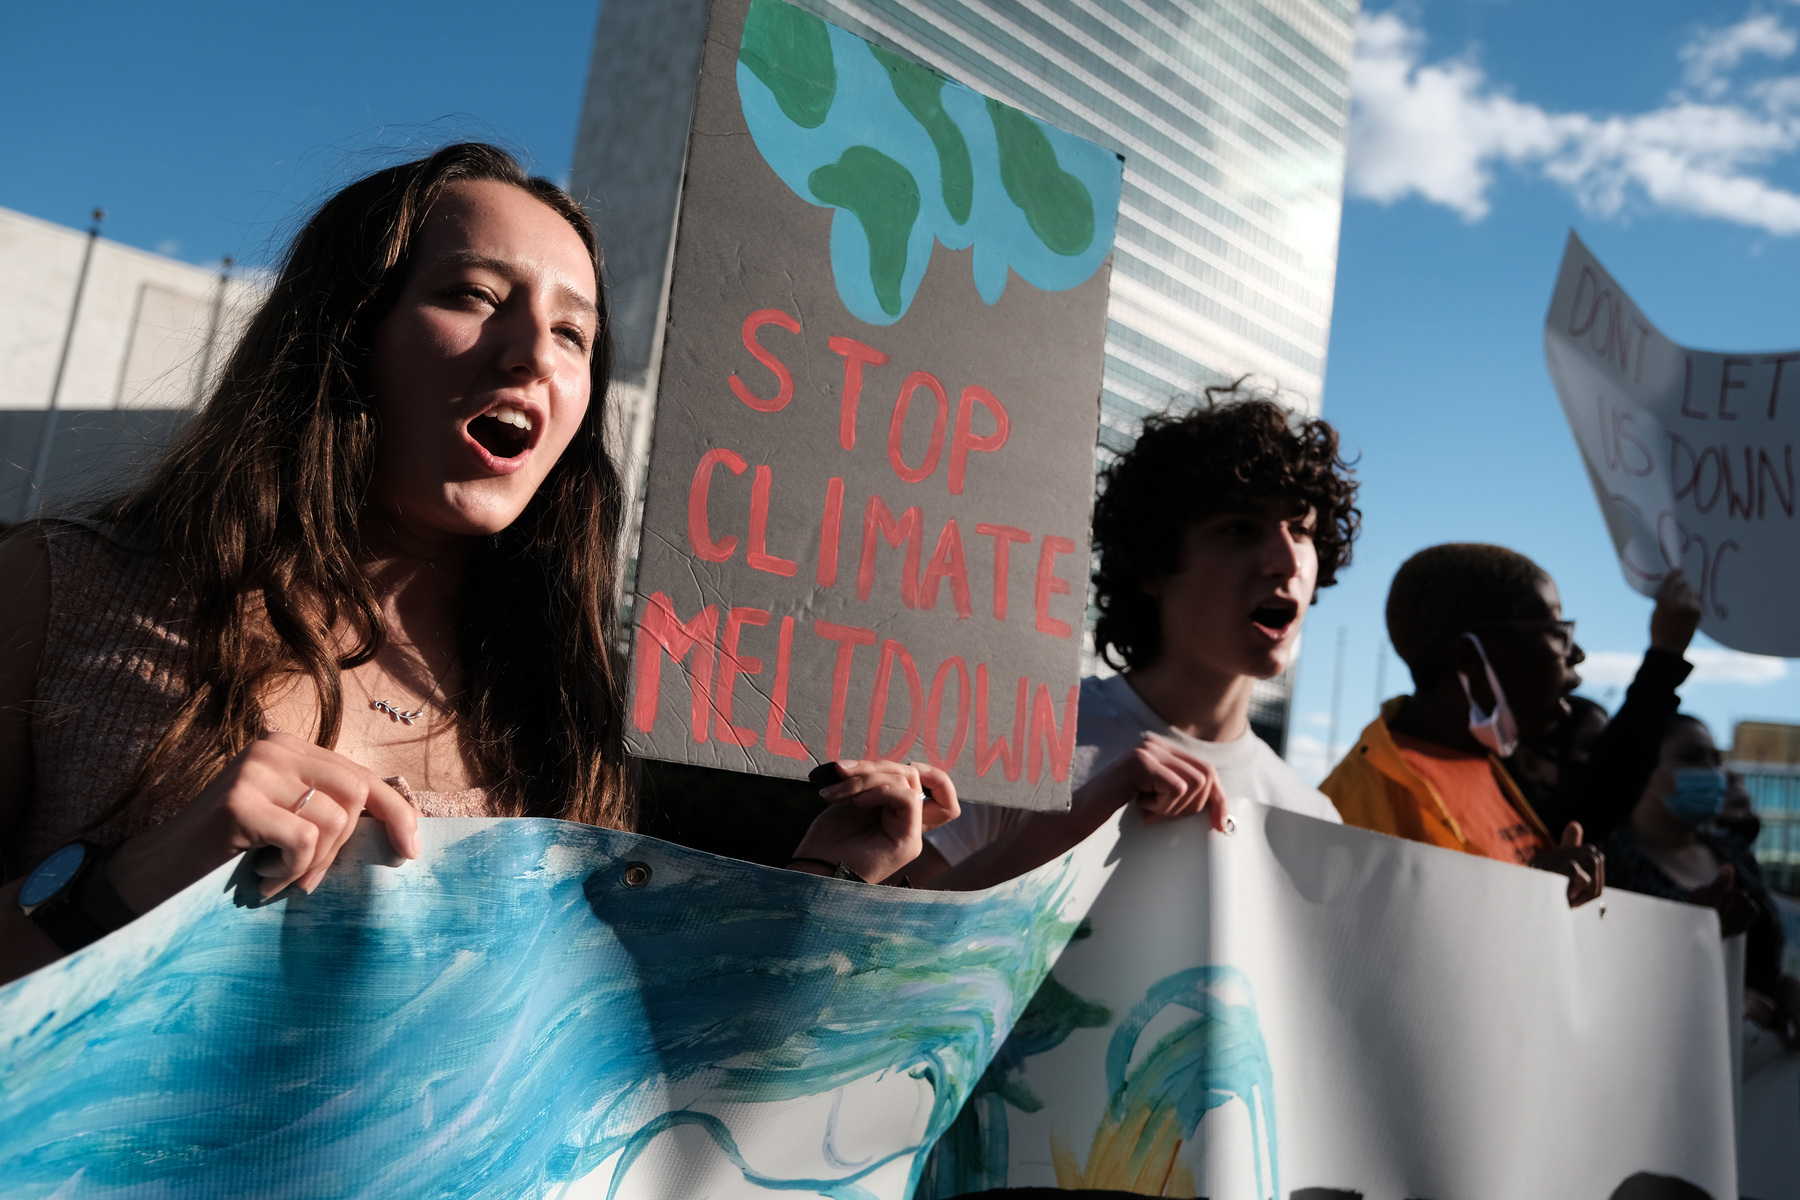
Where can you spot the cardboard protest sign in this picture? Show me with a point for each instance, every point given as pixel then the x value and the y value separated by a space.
pixel 530 1009
pixel 1691 454
pixel 866 521
pixel 1340 1013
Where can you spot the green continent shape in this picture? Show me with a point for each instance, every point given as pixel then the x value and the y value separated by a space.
pixel 885 198
pixel 921 90
pixel 790 51
pixel 1052 1015
pixel 1057 205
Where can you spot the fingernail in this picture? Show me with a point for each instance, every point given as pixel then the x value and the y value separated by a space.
pixel 847 763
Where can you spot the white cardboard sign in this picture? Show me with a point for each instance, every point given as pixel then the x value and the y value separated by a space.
pixel 1691 454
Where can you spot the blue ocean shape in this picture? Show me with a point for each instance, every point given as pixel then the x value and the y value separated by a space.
pixel 866 112
pixel 503 1017
pixel 1217 1057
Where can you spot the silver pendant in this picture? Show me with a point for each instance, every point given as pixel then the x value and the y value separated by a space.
pixel 394 711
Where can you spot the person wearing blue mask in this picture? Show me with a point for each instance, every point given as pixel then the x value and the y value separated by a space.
pixel 1672 848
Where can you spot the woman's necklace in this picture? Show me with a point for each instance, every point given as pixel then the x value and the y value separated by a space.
pixel 394 711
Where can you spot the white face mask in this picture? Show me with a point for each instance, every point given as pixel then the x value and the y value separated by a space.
pixel 1496 730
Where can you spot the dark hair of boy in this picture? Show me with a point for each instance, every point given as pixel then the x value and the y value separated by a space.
pixel 1443 592
pixel 1240 445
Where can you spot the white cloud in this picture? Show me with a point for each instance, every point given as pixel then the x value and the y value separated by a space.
pixel 168 247
pixel 1732 666
pixel 1616 668
pixel 1432 129
pixel 1321 719
pixel 1608 669
pixel 1439 130
pixel 1715 53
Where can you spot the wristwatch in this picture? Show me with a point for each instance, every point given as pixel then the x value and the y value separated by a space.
pixel 70 897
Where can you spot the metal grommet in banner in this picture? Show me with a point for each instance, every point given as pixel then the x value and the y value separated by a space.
pixel 637 874
pixel 1230 824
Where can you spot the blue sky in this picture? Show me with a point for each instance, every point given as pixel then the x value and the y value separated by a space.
pixel 204 128
pixel 1668 136
pixel 1667 133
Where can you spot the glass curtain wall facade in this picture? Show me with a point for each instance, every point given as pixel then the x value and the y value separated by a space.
pixel 1231 116
pixel 1775 794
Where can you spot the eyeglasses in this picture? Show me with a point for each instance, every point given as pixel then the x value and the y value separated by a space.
pixel 1562 632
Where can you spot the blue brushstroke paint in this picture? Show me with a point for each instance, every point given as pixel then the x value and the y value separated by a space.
pixel 1203 1063
pixel 975 1153
pixel 1206 1062
pixel 866 112
pixel 499 1018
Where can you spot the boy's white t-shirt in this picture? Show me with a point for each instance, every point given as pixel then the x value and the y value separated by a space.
pixel 1111 720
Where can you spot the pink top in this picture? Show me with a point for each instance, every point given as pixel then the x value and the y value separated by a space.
pixel 112 679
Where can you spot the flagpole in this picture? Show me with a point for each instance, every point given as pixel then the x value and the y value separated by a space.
pixel 62 365
pixel 212 333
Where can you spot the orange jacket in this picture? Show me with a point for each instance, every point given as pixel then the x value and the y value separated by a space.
pixel 1373 788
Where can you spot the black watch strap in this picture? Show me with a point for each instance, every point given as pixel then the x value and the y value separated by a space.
pixel 838 870
pixel 67 926
pixel 88 909
pixel 99 901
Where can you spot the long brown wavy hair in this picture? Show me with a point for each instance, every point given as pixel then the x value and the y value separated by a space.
pixel 258 507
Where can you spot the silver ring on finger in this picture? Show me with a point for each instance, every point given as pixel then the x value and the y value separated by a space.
pixel 303 800
pixel 923 796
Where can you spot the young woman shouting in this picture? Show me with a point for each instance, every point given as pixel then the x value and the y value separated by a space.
pixel 374 577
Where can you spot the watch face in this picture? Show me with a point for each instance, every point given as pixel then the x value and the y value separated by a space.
pixel 52 875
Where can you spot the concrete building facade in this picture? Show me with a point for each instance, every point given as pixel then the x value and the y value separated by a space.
pixel 147 330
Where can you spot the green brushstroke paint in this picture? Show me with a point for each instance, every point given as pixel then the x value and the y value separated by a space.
pixel 885 198
pixel 975 1152
pixel 1053 1014
pixel 921 90
pixel 790 51
pixel 1056 204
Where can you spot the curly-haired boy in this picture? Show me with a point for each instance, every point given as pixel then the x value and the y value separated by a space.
pixel 1213 535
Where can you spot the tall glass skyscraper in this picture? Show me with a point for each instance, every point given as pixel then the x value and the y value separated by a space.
pixel 1231 115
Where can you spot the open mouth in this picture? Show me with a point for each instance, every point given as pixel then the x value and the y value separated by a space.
pixel 503 431
pixel 1275 616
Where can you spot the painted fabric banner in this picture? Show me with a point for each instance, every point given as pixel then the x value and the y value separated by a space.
pixel 531 1009
pixel 866 517
pixel 1691 455
pixel 1307 1011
